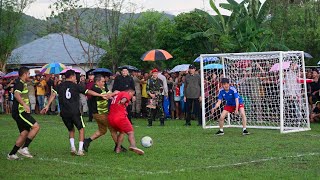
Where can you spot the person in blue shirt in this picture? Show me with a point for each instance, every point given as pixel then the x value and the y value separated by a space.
pixel 234 103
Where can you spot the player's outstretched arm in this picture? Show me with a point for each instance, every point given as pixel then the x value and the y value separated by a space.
pixel 92 93
pixel 51 98
pixel 216 106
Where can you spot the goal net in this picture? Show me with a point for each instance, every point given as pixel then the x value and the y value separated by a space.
pixel 271 84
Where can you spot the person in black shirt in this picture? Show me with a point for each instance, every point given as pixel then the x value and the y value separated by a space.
pixel 315 115
pixel 68 92
pixel 123 83
pixel 27 125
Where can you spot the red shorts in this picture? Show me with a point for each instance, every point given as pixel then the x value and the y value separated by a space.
pixel 231 109
pixel 120 124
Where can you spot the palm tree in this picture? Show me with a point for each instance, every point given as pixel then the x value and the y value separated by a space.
pixel 244 30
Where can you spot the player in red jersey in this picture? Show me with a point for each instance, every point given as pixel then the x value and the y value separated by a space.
pixel 119 121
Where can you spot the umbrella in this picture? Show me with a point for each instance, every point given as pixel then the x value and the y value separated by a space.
pixel 307 55
pixel 213 66
pixel 65 70
pixel 276 67
pixel 11 74
pixel 102 70
pixel 130 68
pixel 181 67
pixel 2 74
pixel 156 54
pixel 206 59
pixel 53 68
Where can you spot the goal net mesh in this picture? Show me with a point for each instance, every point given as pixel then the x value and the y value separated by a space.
pixel 271 85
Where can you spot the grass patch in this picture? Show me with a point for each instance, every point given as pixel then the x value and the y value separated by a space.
pixel 178 152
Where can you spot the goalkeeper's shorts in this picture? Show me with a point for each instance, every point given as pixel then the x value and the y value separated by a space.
pixel 231 109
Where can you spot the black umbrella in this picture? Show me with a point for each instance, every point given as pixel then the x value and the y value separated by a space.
pixel 307 55
pixel 130 68
pixel 102 70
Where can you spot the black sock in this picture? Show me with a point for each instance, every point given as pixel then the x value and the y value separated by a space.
pixel 26 144
pixel 89 139
pixel 14 150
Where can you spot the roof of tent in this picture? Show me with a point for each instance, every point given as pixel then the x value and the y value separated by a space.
pixel 51 48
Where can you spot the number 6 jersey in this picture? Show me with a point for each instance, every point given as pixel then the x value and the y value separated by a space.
pixel 68 94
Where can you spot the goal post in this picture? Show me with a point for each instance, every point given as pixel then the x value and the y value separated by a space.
pixel 271 84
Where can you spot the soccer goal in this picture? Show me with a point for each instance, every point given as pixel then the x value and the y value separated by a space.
pixel 272 85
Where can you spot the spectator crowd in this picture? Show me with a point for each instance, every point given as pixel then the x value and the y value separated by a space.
pixel 158 94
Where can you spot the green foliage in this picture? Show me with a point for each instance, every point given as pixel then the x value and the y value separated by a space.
pixel 10 24
pixel 178 152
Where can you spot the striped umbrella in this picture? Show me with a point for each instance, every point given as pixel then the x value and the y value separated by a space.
pixel 53 68
pixel 156 54
pixel 65 70
pixel 2 74
pixel 11 74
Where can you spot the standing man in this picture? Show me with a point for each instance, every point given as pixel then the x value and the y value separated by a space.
pixel 68 92
pixel 192 94
pixel 83 98
pixel 136 105
pixel 32 95
pixel 89 85
pixel 234 103
pixel 41 90
pixel 155 90
pixel 144 94
pixel 50 84
pixel 27 125
pixel 124 82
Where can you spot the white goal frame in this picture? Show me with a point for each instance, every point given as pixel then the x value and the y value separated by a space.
pixel 279 125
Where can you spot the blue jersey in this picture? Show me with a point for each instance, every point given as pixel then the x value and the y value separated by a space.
pixel 230 96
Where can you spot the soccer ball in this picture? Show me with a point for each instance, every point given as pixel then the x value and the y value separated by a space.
pixel 146 141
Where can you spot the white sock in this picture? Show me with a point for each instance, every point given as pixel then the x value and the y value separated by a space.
pixel 73 147
pixel 80 145
pixel 244 129
pixel 221 129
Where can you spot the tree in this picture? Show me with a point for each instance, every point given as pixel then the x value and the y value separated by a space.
pixel 71 17
pixel 10 23
pixel 244 30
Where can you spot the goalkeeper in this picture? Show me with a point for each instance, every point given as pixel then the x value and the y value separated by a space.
pixel 234 103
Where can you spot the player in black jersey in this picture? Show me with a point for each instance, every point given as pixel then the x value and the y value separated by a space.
pixel 27 125
pixel 68 95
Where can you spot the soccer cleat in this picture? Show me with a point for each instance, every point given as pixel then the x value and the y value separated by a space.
pixel 12 157
pixel 80 153
pixel 123 149
pixel 136 150
pixel 245 132
pixel 86 145
pixel 73 152
pixel 220 133
pixel 25 152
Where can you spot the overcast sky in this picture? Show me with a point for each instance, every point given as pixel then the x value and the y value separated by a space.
pixel 39 9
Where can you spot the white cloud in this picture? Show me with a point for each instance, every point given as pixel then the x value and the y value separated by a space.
pixel 39 9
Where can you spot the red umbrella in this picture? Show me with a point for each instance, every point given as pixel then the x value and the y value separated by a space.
pixel 156 54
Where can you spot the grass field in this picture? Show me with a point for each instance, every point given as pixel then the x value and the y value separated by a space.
pixel 178 153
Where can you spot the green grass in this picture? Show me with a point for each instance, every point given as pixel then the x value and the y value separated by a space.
pixel 178 153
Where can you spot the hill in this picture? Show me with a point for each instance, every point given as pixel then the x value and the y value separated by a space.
pixel 34 28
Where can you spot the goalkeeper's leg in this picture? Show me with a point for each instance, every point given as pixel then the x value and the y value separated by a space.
pixel 244 121
pixel 221 122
